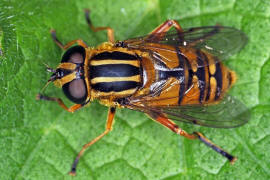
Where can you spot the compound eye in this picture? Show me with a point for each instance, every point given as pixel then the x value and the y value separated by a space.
pixel 76 91
pixel 75 54
pixel 76 58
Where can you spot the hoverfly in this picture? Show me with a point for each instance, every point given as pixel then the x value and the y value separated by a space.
pixel 170 74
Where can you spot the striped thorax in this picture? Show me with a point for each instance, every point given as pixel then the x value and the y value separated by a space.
pixel 114 73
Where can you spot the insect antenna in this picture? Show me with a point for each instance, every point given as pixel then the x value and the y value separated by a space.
pixel 52 78
pixel 49 69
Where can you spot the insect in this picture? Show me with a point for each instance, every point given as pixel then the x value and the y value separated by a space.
pixel 171 74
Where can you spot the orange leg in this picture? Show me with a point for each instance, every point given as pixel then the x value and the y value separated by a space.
pixel 64 47
pixel 195 135
pixel 110 32
pixel 109 124
pixel 161 30
pixel 60 102
pixel 166 26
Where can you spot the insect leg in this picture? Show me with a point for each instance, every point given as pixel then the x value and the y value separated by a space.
pixel 110 32
pixel 161 30
pixel 166 26
pixel 216 148
pixel 196 135
pixel 64 47
pixel 109 124
pixel 60 102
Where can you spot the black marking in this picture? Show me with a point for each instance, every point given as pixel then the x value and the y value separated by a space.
pixel 123 101
pixel 74 165
pixel 181 60
pixel 201 74
pixel 216 148
pixel 227 155
pixel 229 79
pixel 209 76
pixel 164 75
pixel 218 76
pixel 190 74
pixel 116 86
pixel 112 109
pixel 120 44
pixel 59 73
pixel 115 55
pixel 113 70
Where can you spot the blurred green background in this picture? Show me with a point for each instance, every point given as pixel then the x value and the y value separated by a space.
pixel 39 140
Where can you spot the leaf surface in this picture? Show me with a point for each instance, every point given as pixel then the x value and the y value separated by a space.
pixel 39 140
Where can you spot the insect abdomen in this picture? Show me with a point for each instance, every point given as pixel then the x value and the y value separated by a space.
pixel 115 73
pixel 191 77
pixel 208 79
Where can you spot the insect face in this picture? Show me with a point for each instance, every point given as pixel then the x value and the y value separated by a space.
pixel 70 75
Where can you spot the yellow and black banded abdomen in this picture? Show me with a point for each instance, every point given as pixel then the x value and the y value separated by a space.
pixel 115 73
pixel 207 79
pixel 194 77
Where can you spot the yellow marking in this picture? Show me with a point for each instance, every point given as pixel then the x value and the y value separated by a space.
pixel 64 80
pixel 195 80
pixel 115 79
pixel 105 62
pixel 68 66
pixel 213 85
pixel 233 77
pixel 212 69
pixel 194 66
pixel 107 46
pixel 112 93
pixel 212 64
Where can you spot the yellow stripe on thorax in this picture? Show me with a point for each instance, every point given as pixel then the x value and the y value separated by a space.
pixel 110 61
pixel 115 79
pixel 113 93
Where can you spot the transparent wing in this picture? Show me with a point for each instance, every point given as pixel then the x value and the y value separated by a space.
pixel 219 41
pixel 229 113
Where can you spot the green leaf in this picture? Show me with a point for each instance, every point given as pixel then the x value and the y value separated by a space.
pixel 39 140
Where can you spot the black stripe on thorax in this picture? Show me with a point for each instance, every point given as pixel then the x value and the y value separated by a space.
pixel 115 55
pixel 113 70
pixel 115 86
pixel 201 73
pixel 218 76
